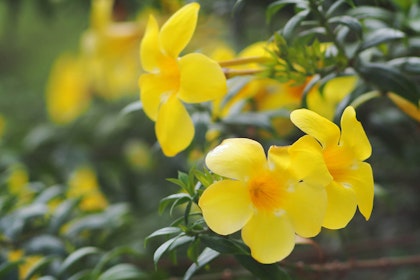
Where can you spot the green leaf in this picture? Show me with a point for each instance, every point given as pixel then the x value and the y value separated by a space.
pixel 386 78
pixel 334 7
pixel 132 107
pixel 61 215
pixel 76 256
pixel 48 194
pixel 9 269
pixel 352 23
pixel 81 275
pixel 370 12
pixel 276 6
pixel 38 267
pixel 121 272
pixel 162 231
pixel 262 271
pixel 205 257
pixel 224 245
pixel 380 36
pixel 175 199
pixel 170 245
pixel 407 64
pixel 292 23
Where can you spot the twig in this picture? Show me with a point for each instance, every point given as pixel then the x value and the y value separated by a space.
pixel 359 264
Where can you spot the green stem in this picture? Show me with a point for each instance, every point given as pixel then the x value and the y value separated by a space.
pixel 365 97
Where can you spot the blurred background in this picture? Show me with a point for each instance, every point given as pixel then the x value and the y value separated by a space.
pixel 87 171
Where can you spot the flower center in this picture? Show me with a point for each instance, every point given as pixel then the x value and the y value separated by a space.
pixel 265 192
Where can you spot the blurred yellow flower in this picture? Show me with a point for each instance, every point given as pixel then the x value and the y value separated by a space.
pixel 109 49
pixel 335 90
pixel 270 199
pixel 67 90
pixel 83 183
pixel 26 262
pixel 17 183
pixel 344 153
pixel 2 126
pixel 170 80
pixel 406 106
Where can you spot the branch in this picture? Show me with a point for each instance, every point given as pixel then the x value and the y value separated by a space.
pixel 359 264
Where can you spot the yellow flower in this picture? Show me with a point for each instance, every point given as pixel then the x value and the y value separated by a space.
pixel 344 154
pixel 334 91
pixel 172 80
pixel 269 199
pixel 26 262
pixel 406 106
pixel 67 90
pixel 83 183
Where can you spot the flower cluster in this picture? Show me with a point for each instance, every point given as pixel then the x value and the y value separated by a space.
pixel 318 181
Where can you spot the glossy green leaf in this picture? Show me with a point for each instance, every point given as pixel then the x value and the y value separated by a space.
pixel 163 231
pixel 291 25
pixel 75 257
pixel 205 257
pixel 38 268
pixel 170 245
pixel 334 7
pixel 407 64
pixel 225 245
pixel 173 200
pixel 276 6
pixel 370 12
pixel 61 215
pixel 48 194
pixel 389 79
pixel 352 23
pixel 132 107
pixel 122 272
pixel 380 36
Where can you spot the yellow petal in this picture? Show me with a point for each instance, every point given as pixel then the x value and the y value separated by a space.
pixel 226 206
pixel 202 79
pixel 306 206
pixel 152 91
pixel 307 162
pixel 353 135
pixel 178 30
pixel 360 178
pixel 341 206
pixel 174 127
pixel 325 131
pixel 271 238
pixel 237 158
pixel 406 106
pixel 150 54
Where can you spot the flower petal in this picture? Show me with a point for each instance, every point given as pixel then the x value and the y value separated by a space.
pixel 306 206
pixel 353 135
pixel 270 237
pixel 202 79
pixel 149 47
pixel 174 127
pixel 318 127
pixel 226 206
pixel 360 178
pixel 341 206
pixel 152 91
pixel 178 30
pixel 307 162
pixel 237 158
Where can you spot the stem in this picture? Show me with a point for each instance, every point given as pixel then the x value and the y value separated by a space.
pixel 229 73
pixel 363 264
pixel 245 60
pixel 330 33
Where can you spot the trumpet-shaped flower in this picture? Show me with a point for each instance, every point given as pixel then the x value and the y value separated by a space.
pixel 344 154
pixel 171 80
pixel 270 199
